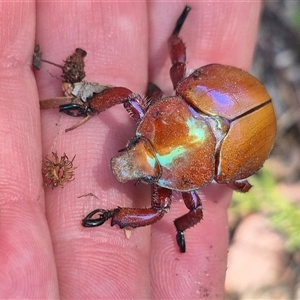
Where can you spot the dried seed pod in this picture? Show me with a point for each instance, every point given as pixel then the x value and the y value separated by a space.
pixel 58 171
pixel 73 68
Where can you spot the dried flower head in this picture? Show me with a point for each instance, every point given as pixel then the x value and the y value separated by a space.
pixel 58 171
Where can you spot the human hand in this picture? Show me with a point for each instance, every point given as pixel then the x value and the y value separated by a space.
pixel 45 252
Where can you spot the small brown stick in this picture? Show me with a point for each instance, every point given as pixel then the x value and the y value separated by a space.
pixel 57 101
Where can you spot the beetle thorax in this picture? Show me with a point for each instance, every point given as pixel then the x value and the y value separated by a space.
pixel 182 151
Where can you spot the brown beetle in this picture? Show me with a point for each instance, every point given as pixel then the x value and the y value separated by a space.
pixel 219 127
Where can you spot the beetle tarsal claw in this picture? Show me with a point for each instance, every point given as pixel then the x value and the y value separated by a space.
pixel 104 215
pixel 180 241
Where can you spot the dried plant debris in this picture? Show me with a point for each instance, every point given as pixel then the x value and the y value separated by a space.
pixel 58 171
pixel 88 195
pixel 73 68
pixel 37 57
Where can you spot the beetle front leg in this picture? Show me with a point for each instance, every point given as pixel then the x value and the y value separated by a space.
pixel 133 217
pixel 137 217
pixel 104 215
pixel 133 103
pixel 177 50
pixel 153 94
pixel 193 203
pixel 74 110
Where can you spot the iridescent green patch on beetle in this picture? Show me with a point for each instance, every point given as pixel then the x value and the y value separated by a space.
pixel 182 141
pixel 167 159
pixel 195 131
pixel 136 162
pixel 151 161
pixel 220 127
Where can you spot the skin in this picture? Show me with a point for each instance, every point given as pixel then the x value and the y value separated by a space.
pixel 44 250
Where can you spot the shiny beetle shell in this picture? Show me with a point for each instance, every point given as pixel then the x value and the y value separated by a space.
pixel 219 127
pixel 231 93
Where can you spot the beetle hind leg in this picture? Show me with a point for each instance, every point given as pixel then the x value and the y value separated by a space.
pixel 193 203
pixel 177 50
pixel 153 94
pixel 242 186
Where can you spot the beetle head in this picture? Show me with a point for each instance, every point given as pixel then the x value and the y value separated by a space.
pixel 136 162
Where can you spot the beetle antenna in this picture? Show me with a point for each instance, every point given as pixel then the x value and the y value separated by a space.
pixel 181 20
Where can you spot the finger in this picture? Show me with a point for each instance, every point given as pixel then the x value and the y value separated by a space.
pixel 95 262
pixel 27 261
pixel 213 33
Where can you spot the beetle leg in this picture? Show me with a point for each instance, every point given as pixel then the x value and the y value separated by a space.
pixel 134 217
pixel 77 110
pixel 133 103
pixel 193 203
pixel 74 109
pixel 137 217
pixel 153 94
pixel 73 106
pixel 104 215
pixel 177 50
pixel 241 186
